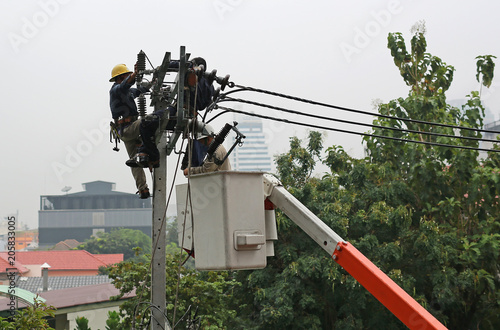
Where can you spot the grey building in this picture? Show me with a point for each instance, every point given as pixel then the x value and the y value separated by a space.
pixel 98 208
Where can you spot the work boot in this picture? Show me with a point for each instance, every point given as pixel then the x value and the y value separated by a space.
pixel 142 160
pixel 131 163
pixel 154 164
pixel 144 193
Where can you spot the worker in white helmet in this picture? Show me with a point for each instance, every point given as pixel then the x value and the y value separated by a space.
pixel 205 137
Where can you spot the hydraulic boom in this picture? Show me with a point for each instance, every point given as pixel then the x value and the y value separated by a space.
pixel 401 304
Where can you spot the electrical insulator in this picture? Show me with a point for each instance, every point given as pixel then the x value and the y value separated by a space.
pixel 141 105
pixel 141 65
pixel 219 139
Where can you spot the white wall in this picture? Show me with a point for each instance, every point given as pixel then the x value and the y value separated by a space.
pixel 97 317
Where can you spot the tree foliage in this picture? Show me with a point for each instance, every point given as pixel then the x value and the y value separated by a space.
pixel 485 68
pixel 428 216
pixel 32 317
pixel 210 294
pixel 118 241
pixel 113 321
pixel 82 323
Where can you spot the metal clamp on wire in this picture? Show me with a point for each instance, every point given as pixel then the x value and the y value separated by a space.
pixel 219 139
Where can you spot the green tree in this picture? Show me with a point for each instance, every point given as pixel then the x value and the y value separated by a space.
pixel 452 196
pixel 113 321
pixel 82 323
pixel 426 215
pixel 210 294
pixel 171 228
pixel 30 318
pixel 118 241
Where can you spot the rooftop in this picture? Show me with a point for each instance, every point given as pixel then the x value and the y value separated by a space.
pixel 67 244
pixel 95 195
pixel 85 295
pixel 5 265
pixel 63 260
pixel 35 284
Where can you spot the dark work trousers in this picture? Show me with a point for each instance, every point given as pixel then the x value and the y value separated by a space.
pixel 148 128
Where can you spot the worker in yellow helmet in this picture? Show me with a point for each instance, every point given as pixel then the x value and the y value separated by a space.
pixel 126 117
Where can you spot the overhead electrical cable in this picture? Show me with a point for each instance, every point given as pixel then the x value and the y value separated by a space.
pixel 353 122
pixel 356 133
pixel 258 90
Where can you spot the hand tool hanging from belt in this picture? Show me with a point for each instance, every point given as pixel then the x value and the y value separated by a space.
pixel 114 134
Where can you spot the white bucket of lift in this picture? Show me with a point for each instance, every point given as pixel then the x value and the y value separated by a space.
pixel 228 230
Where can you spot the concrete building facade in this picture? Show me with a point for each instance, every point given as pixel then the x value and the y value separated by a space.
pixel 98 208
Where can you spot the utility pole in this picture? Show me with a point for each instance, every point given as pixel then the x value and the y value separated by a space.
pixel 158 266
pixel 163 96
pixel 158 261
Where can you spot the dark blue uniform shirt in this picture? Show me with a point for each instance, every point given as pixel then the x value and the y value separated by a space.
pixel 121 99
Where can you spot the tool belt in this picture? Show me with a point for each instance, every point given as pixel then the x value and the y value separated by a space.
pixel 126 121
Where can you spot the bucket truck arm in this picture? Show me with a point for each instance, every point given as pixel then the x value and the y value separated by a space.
pixel 401 304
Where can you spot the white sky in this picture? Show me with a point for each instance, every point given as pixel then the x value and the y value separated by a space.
pixel 57 56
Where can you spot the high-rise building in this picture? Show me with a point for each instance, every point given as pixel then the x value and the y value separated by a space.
pixel 253 155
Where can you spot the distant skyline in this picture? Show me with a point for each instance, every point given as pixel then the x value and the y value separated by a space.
pixel 58 56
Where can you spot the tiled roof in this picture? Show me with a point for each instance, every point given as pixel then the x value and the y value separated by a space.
pixel 110 259
pixel 64 260
pixel 35 284
pixel 5 264
pixel 66 245
pixel 71 242
pixel 90 294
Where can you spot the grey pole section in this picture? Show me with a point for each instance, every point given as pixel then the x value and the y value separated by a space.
pixel 158 261
pixel 158 264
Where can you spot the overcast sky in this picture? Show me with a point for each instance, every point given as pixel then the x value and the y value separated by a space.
pixel 57 57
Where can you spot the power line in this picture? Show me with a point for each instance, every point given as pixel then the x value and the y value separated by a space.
pixel 357 133
pixel 355 123
pixel 258 90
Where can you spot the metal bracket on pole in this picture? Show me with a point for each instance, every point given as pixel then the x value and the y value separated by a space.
pixel 182 114
pixel 158 100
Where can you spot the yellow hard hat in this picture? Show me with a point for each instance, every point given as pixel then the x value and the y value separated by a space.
pixel 119 69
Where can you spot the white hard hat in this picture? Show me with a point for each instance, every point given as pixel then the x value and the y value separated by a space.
pixel 207 131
